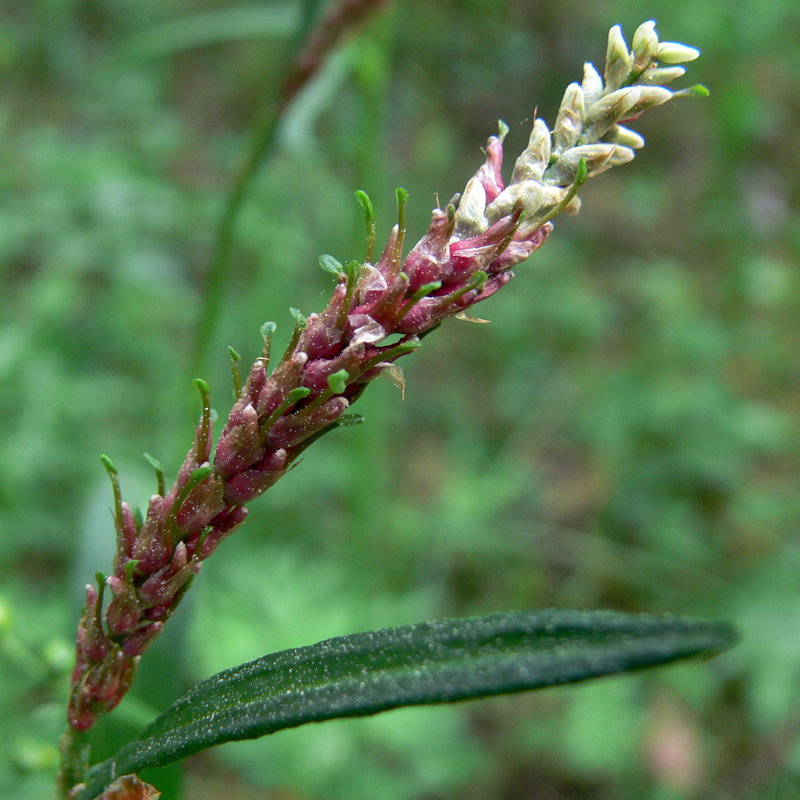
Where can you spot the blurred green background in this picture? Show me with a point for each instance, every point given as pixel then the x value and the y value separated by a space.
pixel 623 435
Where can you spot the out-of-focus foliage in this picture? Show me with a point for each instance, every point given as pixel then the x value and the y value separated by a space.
pixel 624 435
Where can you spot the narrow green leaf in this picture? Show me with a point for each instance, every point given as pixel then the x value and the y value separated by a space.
pixel 432 662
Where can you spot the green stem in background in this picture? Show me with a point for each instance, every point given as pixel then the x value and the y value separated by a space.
pixel 305 56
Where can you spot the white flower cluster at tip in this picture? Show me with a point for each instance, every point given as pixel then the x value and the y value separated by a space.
pixel 587 128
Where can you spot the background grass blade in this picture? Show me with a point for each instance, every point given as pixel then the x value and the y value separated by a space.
pixel 432 662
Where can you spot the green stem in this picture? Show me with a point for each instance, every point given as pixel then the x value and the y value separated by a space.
pixel 580 179
pixel 75 748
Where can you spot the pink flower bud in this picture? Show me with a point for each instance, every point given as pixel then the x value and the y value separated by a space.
pixel 316 373
pixel 294 429
pixel 94 642
pixel 222 527
pixel 424 263
pixel 190 464
pixel 385 265
pixel 80 714
pixel 137 643
pixel 109 681
pixel 151 550
pixel 383 309
pixel 255 381
pixel 247 485
pixel 128 528
pixel 238 413
pixel 203 503
pixel 161 587
pixel 477 253
pixel 122 614
pixel 158 613
pixel 239 446
pixel 494 283
pixel 371 285
pixel 489 174
pixel 285 377
pixel 424 315
pixel 520 247
pixel 322 338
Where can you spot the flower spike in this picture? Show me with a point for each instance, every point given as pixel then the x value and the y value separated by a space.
pixel 379 311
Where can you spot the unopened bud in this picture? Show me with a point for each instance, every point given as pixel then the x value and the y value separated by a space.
pixel 423 263
pixel 122 614
pixel 618 60
pixel 528 238
pixel 95 643
pixel 658 76
pixel 136 643
pixel 109 681
pixel 284 378
pixel 80 714
pixel 151 550
pixel 248 485
pixel 201 505
pixel 322 336
pixel 490 174
pixel 384 309
pixel 598 158
pixel 644 44
pixel 621 155
pixel 294 429
pixel 255 381
pixel 529 192
pixel 569 122
pixel 470 218
pixel 626 137
pixel 161 587
pixel 221 527
pixel 676 53
pixel 535 158
pixel 608 111
pixel 317 373
pixel 128 531
pixel 239 446
pixel 387 263
pixel 592 84
pixel 649 97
